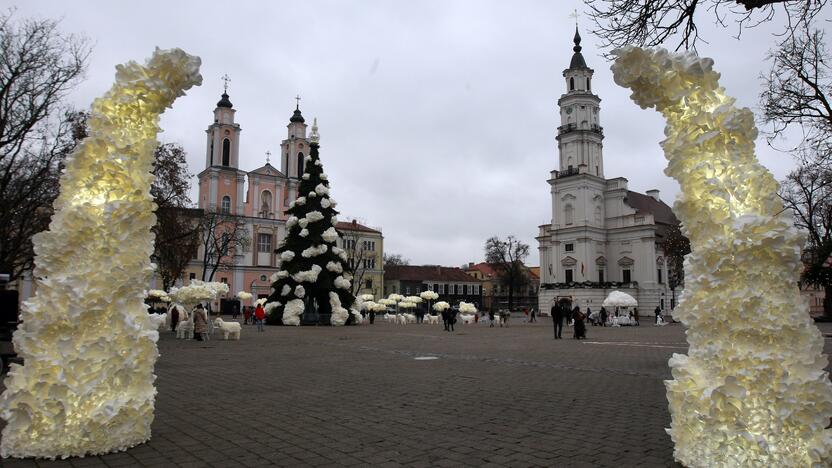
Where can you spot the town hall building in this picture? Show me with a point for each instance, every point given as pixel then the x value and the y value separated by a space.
pixel 602 236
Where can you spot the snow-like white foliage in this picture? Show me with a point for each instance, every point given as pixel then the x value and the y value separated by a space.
pixel 337 250
pixel 325 203
pixel 305 176
pixel 291 221
pixel 308 276
pixel 323 176
pixel 244 296
pixel 274 277
pixel 300 291
pixel 261 301
pixel 307 158
pixel 304 232
pixel 271 306
pixel 333 219
pixel 279 275
pixel 752 390
pixel 333 202
pixel 395 297
pixel 300 201
pixel 440 306
pixel 318 163
pixel 287 255
pixel 286 290
pixel 314 216
pixel 303 223
pixel 413 299
pixel 292 312
pixel 314 251
pixel 429 295
pixel 407 304
pixel 158 295
pixel 321 189
pixel 331 235
pixel 334 267
pixel 619 299
pixel 367 297
pixel 467 308
pixel 339 314
pixel 341 282
pixel 88 389
pixel 311 195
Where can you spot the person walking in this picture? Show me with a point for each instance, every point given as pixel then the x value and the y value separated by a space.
pixel 452 318
pixel 174 316
pixel 445 317
pixel 259 316
pixel 491 318
pixel 532 314
pixel 604 316
pixel 246 315
pixel 558 314
pixel 579 327
pixel 200 323
pixel 658 313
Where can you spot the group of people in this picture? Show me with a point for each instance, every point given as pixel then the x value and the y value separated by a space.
pixel 253 315
pixel 560 311
pixel 603 318
pixel 200 318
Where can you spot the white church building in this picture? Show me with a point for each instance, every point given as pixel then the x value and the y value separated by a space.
pixel 602 236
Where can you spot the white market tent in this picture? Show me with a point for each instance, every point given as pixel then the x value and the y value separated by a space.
pixel 620 299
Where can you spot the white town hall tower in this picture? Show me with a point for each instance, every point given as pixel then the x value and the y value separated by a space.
pixel 602 236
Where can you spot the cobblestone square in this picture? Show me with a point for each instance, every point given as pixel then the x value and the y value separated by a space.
pixel 359 396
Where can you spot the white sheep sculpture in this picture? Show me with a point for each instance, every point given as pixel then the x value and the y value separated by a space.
pixel 228 329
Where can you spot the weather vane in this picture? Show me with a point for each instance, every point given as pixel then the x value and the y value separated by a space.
pixel 225 80
pixel 268 155
pixel 575 15
pixel 297 98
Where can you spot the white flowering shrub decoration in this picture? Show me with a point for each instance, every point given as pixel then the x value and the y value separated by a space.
pixel 467 308
pixel 85 388
pixel 313 268
pixel 441 306
pixel 752 390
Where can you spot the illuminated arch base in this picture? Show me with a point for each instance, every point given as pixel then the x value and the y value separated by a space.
pixel 752 391
pixel 89 347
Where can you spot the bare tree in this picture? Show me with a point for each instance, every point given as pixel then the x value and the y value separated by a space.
pixel 39 65
pixel 395 260
pixel 675 246
pixel 507 257
pixel 650 23
pixel 223 237
pixel 178 238
pixel 797 94
pixel 357 257
pixel 807 191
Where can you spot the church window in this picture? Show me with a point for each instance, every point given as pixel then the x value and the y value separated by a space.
pixel 264 243
pixel 625 275
pixel 226 152
pixel 572 84
pixel 596 171
pixel 597 209
pixel 600 276
pixel 300 165
pixel 588 88
pixel 262 277
pixel 569 247
pixel 568 213
pixel 568 276
pixel 265 204
pixel 659 275
pixel 226 204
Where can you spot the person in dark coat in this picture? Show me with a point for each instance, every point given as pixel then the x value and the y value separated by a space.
pixel 532 313
pixel 174 317
pixel 658 313
pixel 579 326
pixel 558 314
pixel 604 316
pixel 445 317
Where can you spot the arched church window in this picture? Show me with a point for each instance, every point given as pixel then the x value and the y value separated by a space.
pixel 300 165
pixel 226 204
pixel 265 203
pixel 588 88
pixel 226 152
pixel 568 214
pixel 598 214
pixel 572 83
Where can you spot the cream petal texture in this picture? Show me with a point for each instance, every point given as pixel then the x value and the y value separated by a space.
pixel 752 390
pixel 94 262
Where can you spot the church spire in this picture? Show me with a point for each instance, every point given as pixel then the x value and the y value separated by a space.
pixel 296 116
pixel 577 58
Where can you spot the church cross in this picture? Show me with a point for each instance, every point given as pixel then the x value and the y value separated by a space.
pixel 225 79
pixel 575 15
pixel 297 98
pixel 268 155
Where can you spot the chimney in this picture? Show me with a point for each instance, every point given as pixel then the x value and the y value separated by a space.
pixel 470 264
pixel 354 222
pixel 655 194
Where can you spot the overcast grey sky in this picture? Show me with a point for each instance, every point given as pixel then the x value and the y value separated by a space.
pixel 437 118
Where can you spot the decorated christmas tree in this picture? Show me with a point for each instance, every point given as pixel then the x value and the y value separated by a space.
pixel 312 285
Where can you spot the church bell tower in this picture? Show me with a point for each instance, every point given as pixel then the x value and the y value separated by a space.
pixel 580 134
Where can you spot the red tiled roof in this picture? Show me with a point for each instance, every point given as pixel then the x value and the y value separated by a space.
pixel 426 273
pixel 485 268
pixel 354 226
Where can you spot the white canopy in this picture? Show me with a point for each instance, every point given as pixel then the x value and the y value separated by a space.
pixel 619 299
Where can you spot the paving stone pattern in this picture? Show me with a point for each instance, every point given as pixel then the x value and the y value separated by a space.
pixel 355 396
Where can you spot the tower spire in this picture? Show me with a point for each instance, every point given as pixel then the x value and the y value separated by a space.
pixel 315 137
